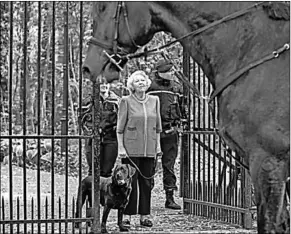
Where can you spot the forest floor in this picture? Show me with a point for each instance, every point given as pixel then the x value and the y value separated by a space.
pixel 165 220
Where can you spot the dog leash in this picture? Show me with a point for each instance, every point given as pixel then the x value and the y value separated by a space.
pixel 137 168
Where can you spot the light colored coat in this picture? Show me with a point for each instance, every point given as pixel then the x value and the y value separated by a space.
pixel 139 121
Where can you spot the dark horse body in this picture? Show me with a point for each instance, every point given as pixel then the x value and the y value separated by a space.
pixel 254 111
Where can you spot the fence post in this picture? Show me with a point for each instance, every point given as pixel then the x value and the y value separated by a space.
pixel 96 162
pixel 185 157
pixel 65 112
pixel 247 220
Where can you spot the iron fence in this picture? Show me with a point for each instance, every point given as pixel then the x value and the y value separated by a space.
pixel 42 145
pixel 213 182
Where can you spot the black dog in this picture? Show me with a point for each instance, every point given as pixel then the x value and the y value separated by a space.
pixel 114 194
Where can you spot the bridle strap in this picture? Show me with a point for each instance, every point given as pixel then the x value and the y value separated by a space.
pixel 99 43
pixel 114 46
pixel 116 25
pixel 127 25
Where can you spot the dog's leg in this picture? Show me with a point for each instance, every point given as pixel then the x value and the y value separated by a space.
pixel 79 203
pixel 122 228
pixel 106 211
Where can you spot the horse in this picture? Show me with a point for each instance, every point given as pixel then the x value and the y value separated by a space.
pixel 243 48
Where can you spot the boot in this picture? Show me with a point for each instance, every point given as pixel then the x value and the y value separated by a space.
pixel 170 203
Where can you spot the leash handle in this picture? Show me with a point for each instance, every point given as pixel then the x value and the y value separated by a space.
pixel 137 168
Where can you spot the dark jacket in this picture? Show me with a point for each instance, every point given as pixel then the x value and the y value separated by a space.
pixel 108 121
pixel 169 93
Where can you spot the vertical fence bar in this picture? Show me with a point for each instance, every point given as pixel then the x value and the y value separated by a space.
pixel 185 137
pixel 73 209
pixel 96 158
pixel 191 128
pixel 236 190
pixel 46 214
pixel 17 213
pixel 65 117
pixel 210 137
pixel 182 173
pixel 53 119
pixel 60 215
pixel 219 187
pixel 243 202
pixel 214 160
pixel 193 139
pixel 230 184
pixel 204 142
pixel 10 118
pixel 80 93
pixel 32 215
pixel 86 206
pixel 224 184
pixel 214 171
pixel 1 48
pixel 3 213
pixel 38 113
pixel 247 222
pixel 186 92
pixel 24 113
pixel 199 147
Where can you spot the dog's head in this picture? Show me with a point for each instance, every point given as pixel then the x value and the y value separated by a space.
pixel 122 174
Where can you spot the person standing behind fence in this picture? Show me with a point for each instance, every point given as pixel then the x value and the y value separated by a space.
pixel 108 145
pixel 138 135
pixel 169 93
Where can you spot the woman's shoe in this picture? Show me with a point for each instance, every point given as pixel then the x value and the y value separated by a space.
pixel 146 223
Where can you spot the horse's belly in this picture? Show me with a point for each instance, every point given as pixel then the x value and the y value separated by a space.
pixel 255 112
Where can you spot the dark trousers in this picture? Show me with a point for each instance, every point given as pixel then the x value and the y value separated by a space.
pixel 108 155
pixel 140 197
pixel 169 146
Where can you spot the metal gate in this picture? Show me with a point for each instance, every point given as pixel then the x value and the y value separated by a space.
pixel 213 184
pixel 42 146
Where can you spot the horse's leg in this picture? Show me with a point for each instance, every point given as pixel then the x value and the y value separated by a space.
pixel 270 189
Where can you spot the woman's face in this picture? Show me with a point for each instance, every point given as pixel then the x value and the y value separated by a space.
pixel 139 83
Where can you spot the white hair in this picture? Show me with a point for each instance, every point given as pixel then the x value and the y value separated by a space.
pixel 130 79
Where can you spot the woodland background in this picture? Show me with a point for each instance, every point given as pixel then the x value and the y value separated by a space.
pixel 35 49
pixel 33 67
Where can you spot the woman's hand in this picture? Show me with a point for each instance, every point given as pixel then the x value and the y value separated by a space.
pixel 121 149
pixel 159 150
pixel 159 166
pixel 122 152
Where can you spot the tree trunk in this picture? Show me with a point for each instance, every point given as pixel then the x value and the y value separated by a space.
pixel 70 93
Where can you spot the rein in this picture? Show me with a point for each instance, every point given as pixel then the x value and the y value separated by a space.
pixel 194 33
pixel 113 47
pixel 115 58
pixel 233 77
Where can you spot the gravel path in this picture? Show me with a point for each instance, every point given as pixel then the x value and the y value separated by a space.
pixel 165 220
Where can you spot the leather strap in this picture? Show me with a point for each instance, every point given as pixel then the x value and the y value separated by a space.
pixel 165 91
pixel 196 32
pixel 99 43
pixel 233 77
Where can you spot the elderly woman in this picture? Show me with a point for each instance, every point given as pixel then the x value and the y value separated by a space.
pixel 138 137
